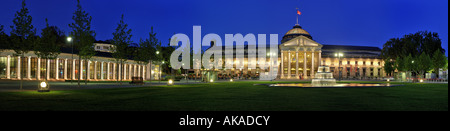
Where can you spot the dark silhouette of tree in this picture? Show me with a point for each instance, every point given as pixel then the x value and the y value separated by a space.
pixel 121 39
pixel 23 35
pixel 50 43
pixel 4 39
pixel 438 61
pixel 413 45
pixel 83 37
pixel 146 51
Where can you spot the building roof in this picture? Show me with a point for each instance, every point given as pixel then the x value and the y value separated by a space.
pixel 348 48
pixel 297 30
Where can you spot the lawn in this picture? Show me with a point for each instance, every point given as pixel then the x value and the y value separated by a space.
pixel 236 96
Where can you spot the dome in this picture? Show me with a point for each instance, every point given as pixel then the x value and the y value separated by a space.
pixel 295 32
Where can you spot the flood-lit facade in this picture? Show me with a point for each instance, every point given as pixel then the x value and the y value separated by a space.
pixel 101 67
pixel 299 57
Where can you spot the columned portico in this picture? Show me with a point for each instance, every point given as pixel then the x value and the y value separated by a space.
pixel 299 41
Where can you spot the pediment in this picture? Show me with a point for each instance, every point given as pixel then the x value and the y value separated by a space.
pixel 300 41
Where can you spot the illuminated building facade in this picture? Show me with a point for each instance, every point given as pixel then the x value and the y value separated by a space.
pixel 101 67
pixel 300 56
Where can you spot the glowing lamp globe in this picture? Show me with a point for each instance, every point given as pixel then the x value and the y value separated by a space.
pixel 43 86
pixel 170 82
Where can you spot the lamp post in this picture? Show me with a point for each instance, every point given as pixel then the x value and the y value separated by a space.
pixel 339 55
pixel 157 54
pixel 69 39
pixel 160 71
pixel 185 74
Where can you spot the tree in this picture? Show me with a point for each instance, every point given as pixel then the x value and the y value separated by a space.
pixel 4 39
pixel 422 65
pixel 412 44
pixel 121 39
pixel 50 42
pixel 146 52
pixel 388 66
pixel 83 37
pixel 22 34
pixel 438 61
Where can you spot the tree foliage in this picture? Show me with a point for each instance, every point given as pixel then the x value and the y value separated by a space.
pixel 422 64
pixel 121 39
pixel 4 39
pixel 147 49
pixel 414 44
pixel 82 36
pixel 23 33
pixel 389 66
pixel 438 61
pixel 50 42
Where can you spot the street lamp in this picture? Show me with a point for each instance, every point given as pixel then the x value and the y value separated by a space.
pixel 170 82
pixel 44 87
pixel 69 39
pixel 157 52
pixel 339 55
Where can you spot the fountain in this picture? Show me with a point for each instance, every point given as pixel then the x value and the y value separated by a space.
pixel 323 77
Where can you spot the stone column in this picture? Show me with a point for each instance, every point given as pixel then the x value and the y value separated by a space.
pixel 312 64
pixel 107 70
pixel 48 69
pixel 289 64
pixel 135 70
pixel 119 73
pixel 56 69
pixel 296 64
pixel 81 70
pixel 305 76
pixel 95 70
pixel 29 68
pixel 320 58
pixel 38 73
pixel 8 67
pixel 101 71
pixel 143 73
pixel 88 72
pixel 129 70
pixel 73 69
pixel 124 71
pixel 114 71
pixel 282 67
pixel 18 67
pixel 65 69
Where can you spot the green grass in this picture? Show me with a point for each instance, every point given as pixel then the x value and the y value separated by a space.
pixel 236 96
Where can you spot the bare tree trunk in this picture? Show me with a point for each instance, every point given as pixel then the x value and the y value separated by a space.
pixel 21 77
pixel 79 70
pixel 150 72
pixel 87 68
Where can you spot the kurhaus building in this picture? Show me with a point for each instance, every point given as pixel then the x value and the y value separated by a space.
pixel 299 57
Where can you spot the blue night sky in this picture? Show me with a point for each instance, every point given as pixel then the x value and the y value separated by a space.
pixel 333 22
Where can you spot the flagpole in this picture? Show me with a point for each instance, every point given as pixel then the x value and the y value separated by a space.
pixel 297 16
